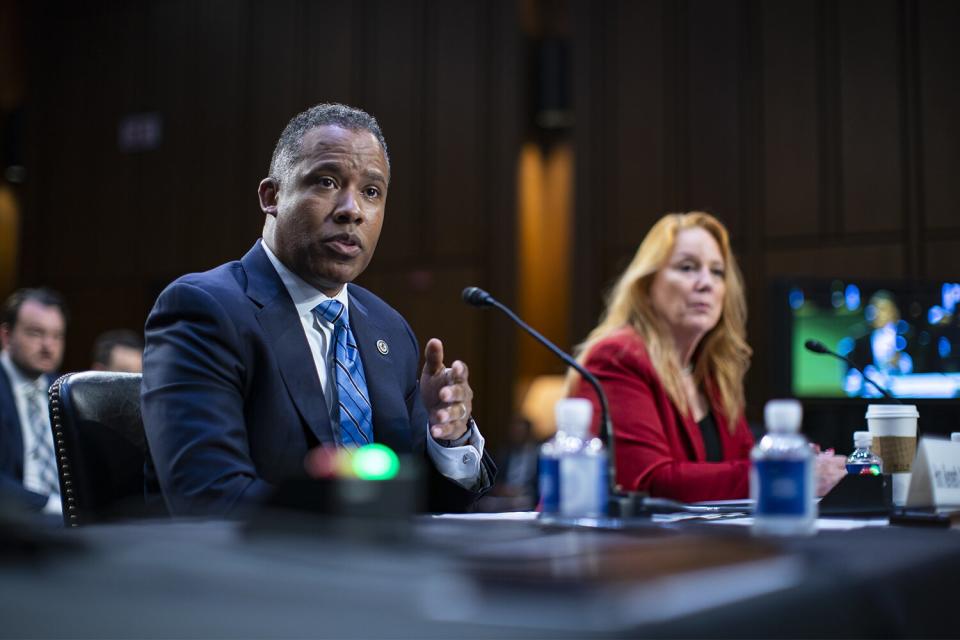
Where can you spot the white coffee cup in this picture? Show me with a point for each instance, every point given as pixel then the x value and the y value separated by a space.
pixel 894 429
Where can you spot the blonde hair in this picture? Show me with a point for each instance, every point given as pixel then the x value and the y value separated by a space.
pixel 723 355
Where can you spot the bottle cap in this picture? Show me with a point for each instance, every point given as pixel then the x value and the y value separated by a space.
pixel 783 416
pixel 574 416
pixel 862 439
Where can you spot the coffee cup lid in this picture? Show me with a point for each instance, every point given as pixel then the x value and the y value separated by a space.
pixel 892 411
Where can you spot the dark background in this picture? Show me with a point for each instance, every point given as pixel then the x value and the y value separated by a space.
pixel 824 133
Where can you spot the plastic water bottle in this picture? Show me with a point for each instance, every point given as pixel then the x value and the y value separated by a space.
pixel 583 462
pixel 781 477
pixel 548 473
pixel 863 461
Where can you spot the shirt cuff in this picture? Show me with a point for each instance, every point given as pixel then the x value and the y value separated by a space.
pixel 459 463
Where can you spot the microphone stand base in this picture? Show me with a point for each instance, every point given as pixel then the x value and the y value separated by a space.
pixel 627 505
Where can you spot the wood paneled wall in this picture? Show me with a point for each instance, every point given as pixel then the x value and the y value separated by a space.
pixel 111 229
pixel 825 133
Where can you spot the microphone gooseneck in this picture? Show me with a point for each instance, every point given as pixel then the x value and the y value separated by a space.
pixel 479 298
pixel 815 346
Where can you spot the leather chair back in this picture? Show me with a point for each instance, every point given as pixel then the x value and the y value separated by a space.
pixel 100 445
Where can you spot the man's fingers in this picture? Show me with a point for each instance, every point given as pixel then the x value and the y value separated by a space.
pixel 458 411
pixel 433 357
pixel 446 393
pixel 459 371
pixel 449 430
pixel 455 393
pixel 441 431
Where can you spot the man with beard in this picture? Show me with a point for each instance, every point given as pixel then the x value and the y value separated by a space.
pixel 32 334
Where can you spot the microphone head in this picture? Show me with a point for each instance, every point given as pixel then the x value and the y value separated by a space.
pixel 477 297
pixel 816 346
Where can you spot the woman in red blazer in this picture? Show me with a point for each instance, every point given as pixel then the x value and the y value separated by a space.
pixel 671 353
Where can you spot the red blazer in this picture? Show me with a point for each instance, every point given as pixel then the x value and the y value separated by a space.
pixel 658 450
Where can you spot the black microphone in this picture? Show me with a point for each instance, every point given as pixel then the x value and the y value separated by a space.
pixel 621 504
pixel 815 346
pixel 477 297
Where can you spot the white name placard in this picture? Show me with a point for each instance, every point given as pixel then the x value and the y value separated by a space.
pixel 936 475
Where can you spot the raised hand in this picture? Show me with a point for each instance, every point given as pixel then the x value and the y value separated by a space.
pixel 446 393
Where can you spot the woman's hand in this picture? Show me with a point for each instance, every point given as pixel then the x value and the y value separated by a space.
pixel 829 470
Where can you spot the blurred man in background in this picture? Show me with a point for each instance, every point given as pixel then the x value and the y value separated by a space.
pixel 884 350
pixel 118 350
pixel 32 334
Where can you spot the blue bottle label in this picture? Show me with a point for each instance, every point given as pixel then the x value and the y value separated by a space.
pixel 782 487
pixel 549 483
pixel 583 486
pixel 603 486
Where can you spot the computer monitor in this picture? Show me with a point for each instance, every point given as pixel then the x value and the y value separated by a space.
pixel 904 335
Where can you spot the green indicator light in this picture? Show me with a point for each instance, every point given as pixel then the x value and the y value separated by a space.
pixel 375 462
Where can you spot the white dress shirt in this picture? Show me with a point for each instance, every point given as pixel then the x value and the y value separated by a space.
pixel 22 388
pixel 461 464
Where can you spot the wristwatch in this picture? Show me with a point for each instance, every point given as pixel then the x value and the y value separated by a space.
pixel 462 440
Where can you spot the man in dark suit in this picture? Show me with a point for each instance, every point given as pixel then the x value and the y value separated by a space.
pixel 32 333
pixel 252 366
pixel 882 350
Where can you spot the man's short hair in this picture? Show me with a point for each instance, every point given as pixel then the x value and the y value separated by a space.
pixel 340 115
pixel 42 295
pixel 104 344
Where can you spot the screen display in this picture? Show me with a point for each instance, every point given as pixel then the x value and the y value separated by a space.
pixel 906 338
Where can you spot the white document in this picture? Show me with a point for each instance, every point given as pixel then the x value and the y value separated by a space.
pixel 936 475
pixel 500 515
pixel 823 524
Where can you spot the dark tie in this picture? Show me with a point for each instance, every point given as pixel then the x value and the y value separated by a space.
pixel 356 417
pixel 42 451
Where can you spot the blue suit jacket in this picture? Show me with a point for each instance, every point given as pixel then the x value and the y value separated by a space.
pixel 231 399
pixel 11 448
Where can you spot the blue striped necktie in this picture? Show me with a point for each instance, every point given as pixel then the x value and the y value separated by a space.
pixel 356 417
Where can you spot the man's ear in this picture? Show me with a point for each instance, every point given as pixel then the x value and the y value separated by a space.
pixel 4 335
pixel 268 191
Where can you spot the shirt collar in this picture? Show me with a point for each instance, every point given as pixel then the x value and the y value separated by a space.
pixel 304 295
pixel 17 379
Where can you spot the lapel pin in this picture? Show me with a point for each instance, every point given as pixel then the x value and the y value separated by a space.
pixel 382 347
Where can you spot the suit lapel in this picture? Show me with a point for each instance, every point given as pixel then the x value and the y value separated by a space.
pixel 689 431
pixel 380 370
pixel 10 430
pixel 281 324
pixel 693 435
pixel 727 443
